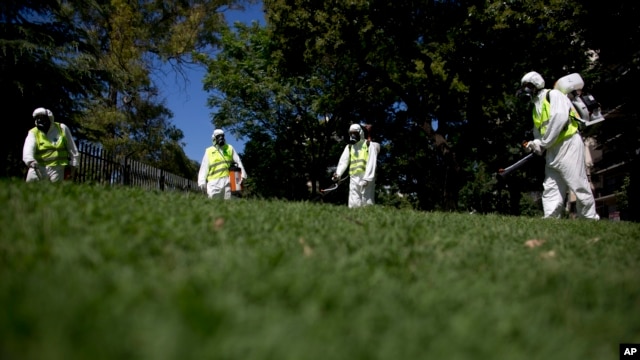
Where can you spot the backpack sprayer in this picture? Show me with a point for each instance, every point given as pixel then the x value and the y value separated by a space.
pixel 585 104
pixel 235 179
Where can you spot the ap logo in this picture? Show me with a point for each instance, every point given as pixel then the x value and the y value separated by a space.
pixel 630 351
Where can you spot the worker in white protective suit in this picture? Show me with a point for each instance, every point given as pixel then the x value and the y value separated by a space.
pixel 216 163
pixel 555 132
pixel 49 149
pixel 360 156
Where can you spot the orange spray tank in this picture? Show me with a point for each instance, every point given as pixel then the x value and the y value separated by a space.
pixel 235 179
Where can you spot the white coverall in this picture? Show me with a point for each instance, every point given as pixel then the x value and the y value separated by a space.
pixel 565 161
pixel 218 188
pixel 361 186
pixel 53 173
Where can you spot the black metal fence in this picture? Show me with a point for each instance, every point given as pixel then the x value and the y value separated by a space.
pixel 100 167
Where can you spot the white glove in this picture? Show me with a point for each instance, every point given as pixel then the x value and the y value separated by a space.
pixel 33 164
pixel 335 178
pixel 534 145
pixel 363 183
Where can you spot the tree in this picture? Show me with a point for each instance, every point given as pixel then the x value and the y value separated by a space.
pixel 277 112
pixel 35 72
pixel 615 71
pixel 91 63
pixel 404 65
pixel 125 114
pixel 373 66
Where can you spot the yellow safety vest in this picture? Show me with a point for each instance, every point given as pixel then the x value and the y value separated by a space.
pixel 51 153
pixel 541 121
pixel 219 161
pixel 358 160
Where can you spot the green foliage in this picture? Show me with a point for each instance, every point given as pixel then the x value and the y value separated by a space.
pixel 396 65
pixel 290 142
pixel 35 71
pixel 530 206
pixel 91 63
pixel 394 200
pixel 481 193
pixel 627 197
pixel 103 273
pixel 623 196
pixel 293 87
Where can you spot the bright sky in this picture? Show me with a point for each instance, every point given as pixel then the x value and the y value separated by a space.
pixel 188 102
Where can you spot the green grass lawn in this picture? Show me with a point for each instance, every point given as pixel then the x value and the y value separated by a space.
pixel 95 273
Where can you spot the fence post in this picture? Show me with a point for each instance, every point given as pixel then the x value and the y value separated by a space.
pixel 126 173
pixel 161 180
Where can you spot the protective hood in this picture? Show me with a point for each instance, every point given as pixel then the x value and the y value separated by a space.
pixel 43 118
pixel 43 112
pixel 218 137
pixel 530 86
pixel 533 78
pixel 355 133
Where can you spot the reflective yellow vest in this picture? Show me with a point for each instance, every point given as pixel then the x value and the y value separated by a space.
pixel 219 161
pixel 358 160
pixel 542 121
pixel 51 153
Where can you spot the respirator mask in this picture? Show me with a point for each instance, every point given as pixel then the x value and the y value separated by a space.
pixel 526 93
pixel 219 139
pixel 354 137
pixel 43 123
